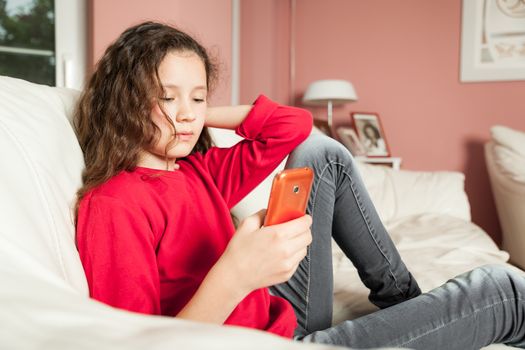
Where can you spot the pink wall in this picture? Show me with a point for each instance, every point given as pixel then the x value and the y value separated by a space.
pixel 401 56
pixel 209 21
pixel 403 59
pixel 265 50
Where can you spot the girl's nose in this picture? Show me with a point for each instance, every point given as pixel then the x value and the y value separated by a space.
pixel 185 117
pixel 185 113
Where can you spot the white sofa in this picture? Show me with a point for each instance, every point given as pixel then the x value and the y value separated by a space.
pixel 44 300
pixel 505 157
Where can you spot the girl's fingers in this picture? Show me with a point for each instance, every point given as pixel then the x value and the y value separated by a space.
pixel 254 221
pixel 300 242
pixel 294 227
pixel 298 257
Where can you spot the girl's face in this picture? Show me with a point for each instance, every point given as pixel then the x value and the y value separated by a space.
pixel 183 77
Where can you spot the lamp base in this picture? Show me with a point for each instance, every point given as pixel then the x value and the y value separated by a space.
pixel 329 112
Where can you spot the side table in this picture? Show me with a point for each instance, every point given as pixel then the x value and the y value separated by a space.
pixel 394 162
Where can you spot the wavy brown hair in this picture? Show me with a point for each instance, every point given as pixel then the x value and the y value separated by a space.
pixel 112 119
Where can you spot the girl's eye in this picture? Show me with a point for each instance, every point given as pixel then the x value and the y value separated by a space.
pixel 167 99
pixel 199 100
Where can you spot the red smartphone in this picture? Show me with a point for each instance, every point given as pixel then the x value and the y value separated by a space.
pixel 289 195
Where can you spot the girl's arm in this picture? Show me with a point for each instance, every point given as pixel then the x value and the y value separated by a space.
pixel 226 117
pixel 256 257
pixel 270 132
pixel 217 296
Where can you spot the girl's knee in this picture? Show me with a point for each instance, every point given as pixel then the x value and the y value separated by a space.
pixel 502 275
pixel 320 146
pixel 487 285
pixel 496 270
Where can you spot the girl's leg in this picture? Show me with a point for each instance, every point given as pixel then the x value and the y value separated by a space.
pixel 341 208
pixel 476 309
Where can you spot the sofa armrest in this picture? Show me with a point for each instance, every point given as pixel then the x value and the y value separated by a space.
pixel 399 193
pixel 509 196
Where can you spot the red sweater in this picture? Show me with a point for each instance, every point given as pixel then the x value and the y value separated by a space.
pixel 146 243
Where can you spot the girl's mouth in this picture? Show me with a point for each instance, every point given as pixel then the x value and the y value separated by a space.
pixel 184 136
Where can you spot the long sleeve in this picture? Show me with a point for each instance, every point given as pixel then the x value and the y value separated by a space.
pixel 117 249
pixel 270 131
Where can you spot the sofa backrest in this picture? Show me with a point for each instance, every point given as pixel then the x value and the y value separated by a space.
pixel 41 164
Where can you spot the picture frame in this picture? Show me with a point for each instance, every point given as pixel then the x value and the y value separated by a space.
pixel 371 133
pixel 492 40
pixel 349 138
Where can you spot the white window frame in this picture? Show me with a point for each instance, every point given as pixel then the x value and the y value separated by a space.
pixel 70 43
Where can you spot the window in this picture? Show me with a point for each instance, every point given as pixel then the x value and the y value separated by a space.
pixel 43 41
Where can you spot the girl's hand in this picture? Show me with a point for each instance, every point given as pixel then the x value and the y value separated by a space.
pixel 259 257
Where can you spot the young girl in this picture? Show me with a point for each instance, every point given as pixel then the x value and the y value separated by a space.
pixel 155 235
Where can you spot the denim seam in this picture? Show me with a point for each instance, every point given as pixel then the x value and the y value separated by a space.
pixel 368 224
pixel 486 307
pixel 456 320
pixel 308 253
pixel 307 291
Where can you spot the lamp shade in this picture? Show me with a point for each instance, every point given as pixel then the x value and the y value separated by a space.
pixel 320 92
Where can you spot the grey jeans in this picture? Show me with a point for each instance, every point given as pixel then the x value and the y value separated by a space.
pixel 470 311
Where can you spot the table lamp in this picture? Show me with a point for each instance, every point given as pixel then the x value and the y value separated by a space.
pixel 330 92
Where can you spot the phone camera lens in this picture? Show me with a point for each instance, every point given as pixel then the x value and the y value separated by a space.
pixel 296 189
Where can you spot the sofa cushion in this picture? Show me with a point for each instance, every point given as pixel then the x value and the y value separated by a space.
pixel 41 164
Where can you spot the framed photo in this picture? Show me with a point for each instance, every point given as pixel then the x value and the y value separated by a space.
pixel 323 126
pixel 492 40
pixel 371 134
pixel 349 138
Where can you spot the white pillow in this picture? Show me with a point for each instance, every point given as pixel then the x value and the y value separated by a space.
pixel 510 163
pixel 41 164
pixel 510 138
pixel 509 152
pixel 402 193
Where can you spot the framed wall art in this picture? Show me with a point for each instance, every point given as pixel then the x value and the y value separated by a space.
pixel 492 40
